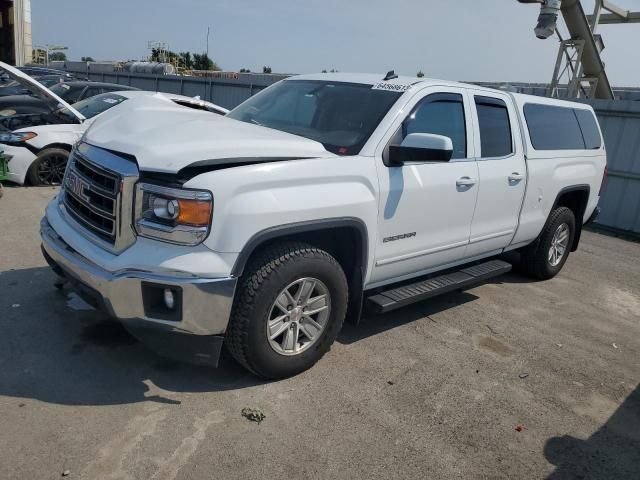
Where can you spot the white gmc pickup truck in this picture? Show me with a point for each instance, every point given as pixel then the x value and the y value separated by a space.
pixel 265 229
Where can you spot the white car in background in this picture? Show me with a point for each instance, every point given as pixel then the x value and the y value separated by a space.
pixel 38 153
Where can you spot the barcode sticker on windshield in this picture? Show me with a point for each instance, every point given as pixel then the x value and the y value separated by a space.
pixel 391 87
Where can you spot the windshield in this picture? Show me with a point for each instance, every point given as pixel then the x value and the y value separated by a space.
pixel 93 106
pixel 341 116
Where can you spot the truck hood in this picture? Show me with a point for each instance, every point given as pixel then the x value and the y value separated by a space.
pixel 39 90
pixel 165 137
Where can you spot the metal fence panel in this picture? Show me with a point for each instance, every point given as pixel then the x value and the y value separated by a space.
pixel 620 202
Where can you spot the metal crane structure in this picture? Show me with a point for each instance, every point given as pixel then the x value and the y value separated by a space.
pixel 579 58
pixel 41 53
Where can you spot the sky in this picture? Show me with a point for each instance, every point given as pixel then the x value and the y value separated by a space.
pixel 472 40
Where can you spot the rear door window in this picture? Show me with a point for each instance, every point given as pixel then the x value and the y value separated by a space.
pixel 495 127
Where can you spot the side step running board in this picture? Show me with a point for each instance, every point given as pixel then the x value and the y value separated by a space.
pixel 401 296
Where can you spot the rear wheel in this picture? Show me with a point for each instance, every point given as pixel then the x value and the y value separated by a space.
pixel 48 168
pixel 546 256
pixel 288 310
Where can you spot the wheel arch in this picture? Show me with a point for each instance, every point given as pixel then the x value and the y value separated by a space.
pixel 62 146
pixel 576 199
pixel 39 151
pixel 345 238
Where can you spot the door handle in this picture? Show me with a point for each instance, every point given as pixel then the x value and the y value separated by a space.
pixel 516 177
pixel 466 182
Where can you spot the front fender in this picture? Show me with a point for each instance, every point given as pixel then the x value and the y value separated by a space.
pixel 252 199
pixel 56 138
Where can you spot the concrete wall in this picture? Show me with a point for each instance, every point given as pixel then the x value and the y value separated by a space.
pixel 541 89
pixel 228 91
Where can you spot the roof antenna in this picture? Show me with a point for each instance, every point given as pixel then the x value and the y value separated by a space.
pixel 390 75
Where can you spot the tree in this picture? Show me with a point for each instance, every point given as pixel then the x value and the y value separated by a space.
pixel 57 56
pixel 203 62
pixel 245 70
pixel 186 60
pixel 420 74
pixel 266 69
pixel 87 59
pixel 165 56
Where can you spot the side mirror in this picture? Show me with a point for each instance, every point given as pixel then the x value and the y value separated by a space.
pixel 421 147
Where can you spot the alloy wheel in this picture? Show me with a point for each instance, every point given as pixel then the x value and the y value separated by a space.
pixel 298 316
pixel 559 244
pixel 50 169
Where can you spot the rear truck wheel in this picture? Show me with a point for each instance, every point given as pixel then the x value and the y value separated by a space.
pixel 547 255
pixel 48 167
pixel 288 310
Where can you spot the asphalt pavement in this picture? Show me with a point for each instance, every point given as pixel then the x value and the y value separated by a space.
pixel 512 379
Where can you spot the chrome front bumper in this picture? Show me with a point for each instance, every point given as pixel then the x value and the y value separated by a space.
pixel 206 302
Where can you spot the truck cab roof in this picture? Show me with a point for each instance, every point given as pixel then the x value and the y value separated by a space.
pixel 372 79
pixel 409 82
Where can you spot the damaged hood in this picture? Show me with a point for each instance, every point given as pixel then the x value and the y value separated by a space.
pixel 39 90
pixel 165 137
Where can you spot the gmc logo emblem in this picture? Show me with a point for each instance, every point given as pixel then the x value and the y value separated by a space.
pixel 77 186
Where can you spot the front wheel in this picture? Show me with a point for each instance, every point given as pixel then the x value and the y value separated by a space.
pixel 546 256
pixel 288 310
pixel 48 168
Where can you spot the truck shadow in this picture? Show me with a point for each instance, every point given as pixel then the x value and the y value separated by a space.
pixel 613 451
pixel 55 350
pixel 374 324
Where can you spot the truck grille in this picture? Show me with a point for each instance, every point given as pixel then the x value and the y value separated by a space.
pixel 90 197
pixel 98 195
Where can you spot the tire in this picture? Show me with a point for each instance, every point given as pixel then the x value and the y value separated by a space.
pixel 259 304
pixel 48 167
pixel 538 260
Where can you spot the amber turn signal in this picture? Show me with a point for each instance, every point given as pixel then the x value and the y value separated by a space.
pixel 194 212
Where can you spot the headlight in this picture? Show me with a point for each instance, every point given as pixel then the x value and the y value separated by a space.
pixel 16 137
pixel 173 215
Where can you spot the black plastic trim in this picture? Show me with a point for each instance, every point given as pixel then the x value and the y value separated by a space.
pixel 302 227
pixel 579 218
pixel 465 277
pixel 153 302
pixel 203 166
pixel 399 154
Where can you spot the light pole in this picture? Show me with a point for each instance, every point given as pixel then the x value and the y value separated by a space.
pixel 208 31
